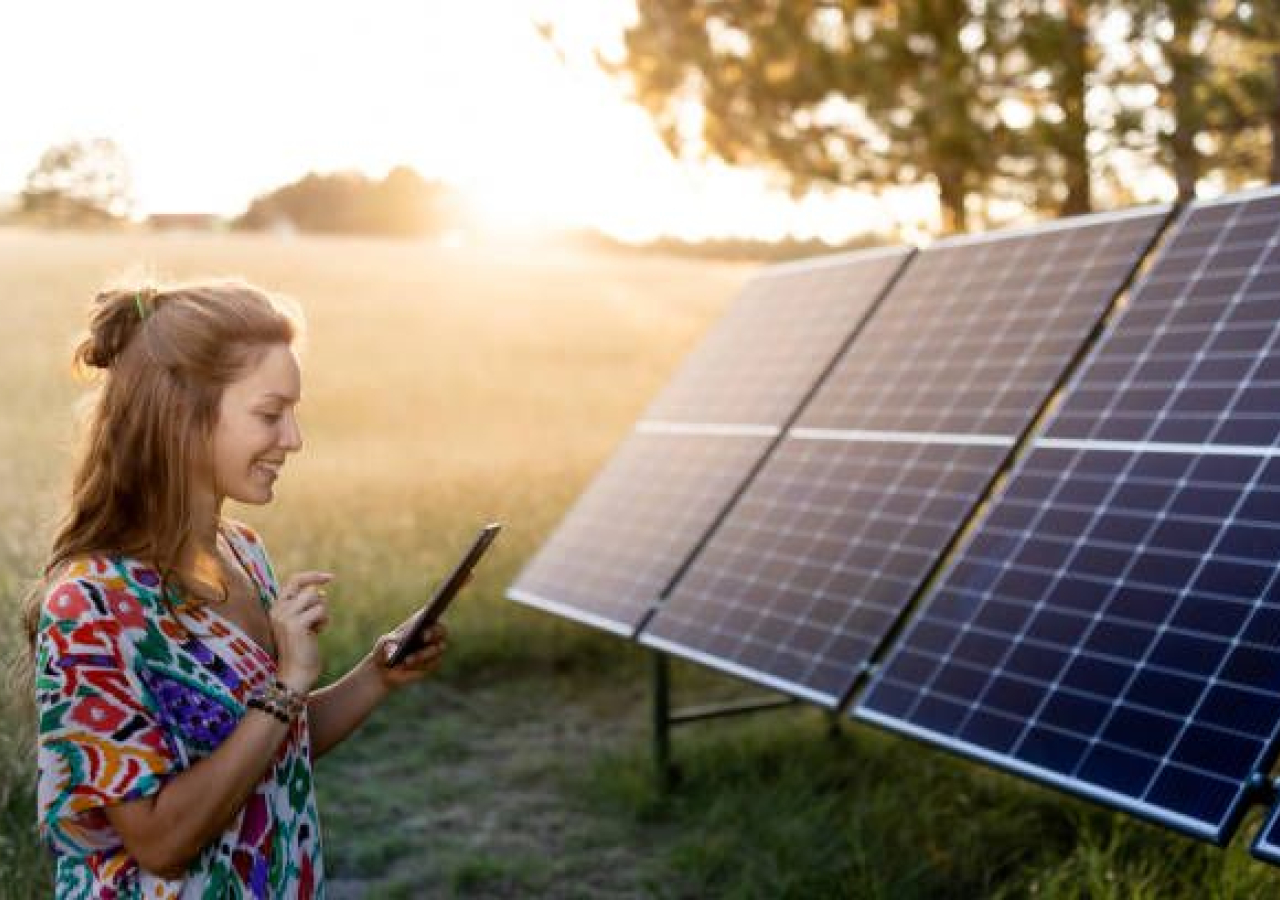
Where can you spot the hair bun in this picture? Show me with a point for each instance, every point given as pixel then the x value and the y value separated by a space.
pixel 116 317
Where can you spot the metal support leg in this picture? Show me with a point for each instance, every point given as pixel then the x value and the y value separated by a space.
pixel 662 721
pixel 667 772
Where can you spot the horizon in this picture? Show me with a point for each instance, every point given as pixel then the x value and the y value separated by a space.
pixel 505 101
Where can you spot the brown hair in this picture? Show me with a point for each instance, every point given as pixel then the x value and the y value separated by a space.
pixel 168 353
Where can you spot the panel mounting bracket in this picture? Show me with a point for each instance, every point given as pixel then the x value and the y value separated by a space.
pixel 665 718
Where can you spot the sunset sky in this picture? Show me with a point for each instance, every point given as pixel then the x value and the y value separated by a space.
pixel 216 103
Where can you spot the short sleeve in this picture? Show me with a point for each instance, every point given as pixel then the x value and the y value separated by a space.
pixel 98 741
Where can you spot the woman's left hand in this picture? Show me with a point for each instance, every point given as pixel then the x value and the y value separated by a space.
pixel 417 665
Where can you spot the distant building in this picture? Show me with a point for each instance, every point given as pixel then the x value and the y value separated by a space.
pixel 186 222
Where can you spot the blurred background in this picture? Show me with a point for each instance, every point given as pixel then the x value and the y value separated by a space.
pixel 507 223
pixel 629 121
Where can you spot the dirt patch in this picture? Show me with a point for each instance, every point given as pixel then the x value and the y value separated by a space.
pixel 478 794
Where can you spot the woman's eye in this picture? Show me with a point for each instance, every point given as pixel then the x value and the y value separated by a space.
pixel 270 418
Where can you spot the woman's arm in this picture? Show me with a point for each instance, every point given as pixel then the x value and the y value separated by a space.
pixel 336 711
pixel 167 830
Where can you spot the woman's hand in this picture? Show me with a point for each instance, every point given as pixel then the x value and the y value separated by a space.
pixel 417 665
pixel 297 617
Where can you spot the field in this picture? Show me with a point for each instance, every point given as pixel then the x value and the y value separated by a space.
pixel 446 387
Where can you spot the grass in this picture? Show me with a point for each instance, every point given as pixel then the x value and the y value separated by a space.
pixel 445 388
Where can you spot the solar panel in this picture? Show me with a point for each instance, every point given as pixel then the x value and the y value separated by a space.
pixel 1112 627
pixel 621 543
pixel 640 519
pixel 780 334
pixel 826 547
pixel 1266 846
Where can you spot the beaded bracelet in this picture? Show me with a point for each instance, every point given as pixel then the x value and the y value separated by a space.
pixel 279 700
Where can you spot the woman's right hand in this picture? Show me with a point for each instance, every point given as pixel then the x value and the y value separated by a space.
pixel 297 617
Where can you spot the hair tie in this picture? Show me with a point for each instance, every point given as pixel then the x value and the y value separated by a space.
pixel 142 312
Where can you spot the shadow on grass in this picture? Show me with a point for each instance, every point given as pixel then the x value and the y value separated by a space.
pixel 774 808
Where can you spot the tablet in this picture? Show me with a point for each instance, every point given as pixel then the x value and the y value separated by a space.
pixel 427 616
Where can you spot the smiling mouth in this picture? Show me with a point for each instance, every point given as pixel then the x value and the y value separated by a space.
pixel 270 468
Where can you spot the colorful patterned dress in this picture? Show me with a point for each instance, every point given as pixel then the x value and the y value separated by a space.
pixel 131 692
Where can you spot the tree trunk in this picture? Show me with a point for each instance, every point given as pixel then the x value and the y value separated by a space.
pixel 1187 114
pixel 1075 153
pixel 951 195
pixel 1274 120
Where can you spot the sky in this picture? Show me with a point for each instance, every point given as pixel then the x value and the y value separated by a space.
pixel 215 103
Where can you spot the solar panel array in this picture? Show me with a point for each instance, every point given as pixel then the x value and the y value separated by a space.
pixel 1112 626
pixel 830 542
pixel 638 522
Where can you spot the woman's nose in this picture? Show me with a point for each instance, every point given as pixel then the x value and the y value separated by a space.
pixel 292 441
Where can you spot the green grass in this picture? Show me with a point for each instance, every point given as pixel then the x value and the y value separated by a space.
pixel 442 389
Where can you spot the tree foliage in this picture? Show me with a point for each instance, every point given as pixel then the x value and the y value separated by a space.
pixel 79 183
pixel 826 93
pixel 1244 122
pixel 1023 100
pixel 1046 56
pixel 401 204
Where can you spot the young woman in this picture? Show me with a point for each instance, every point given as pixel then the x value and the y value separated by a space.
pixel 173 675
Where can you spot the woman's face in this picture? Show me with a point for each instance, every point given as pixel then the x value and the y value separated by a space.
pixel 257 427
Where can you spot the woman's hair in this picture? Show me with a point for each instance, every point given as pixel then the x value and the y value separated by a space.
pixel 168 352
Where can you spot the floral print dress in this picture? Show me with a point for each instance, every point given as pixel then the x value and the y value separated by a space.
pixel 130 691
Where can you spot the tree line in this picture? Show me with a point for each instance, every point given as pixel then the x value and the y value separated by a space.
pixel 1058 107
pixel 87 183
pixel 1055 106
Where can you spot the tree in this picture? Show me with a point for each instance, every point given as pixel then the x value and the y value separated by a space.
pixel 839 93
pixel 1249 115
pixel 402 204
pixel 1212 67
pixel 407 204
pixel 79 183
pixel 1049 56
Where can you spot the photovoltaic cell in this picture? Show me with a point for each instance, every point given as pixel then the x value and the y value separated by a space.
pixel 640 519
pixel 1113 625
pixel 810 569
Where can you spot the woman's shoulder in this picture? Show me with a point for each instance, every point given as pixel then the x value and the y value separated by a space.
pixel 99 586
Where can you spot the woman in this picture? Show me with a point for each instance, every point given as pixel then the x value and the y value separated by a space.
pixel 173 676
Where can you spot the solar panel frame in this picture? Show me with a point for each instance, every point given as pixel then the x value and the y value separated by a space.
pixel 1266 844
pixel 692 623
pixel 1125 473
pixel 852 285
